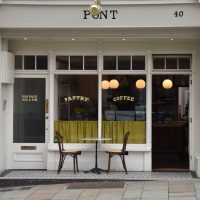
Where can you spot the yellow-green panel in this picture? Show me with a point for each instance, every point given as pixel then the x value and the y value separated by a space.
pixel 74 131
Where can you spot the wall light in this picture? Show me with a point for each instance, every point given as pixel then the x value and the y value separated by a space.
pixel 105 84
pixel 140 84
pixel 114 84
pixel 167 84
pixel 95 8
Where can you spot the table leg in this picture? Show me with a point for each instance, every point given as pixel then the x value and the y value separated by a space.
pixel 96 169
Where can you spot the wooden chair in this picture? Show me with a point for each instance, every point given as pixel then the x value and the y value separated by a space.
pixel 120 152
pixel 63 153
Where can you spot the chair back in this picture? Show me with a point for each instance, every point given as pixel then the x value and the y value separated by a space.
pixel 60 141
pixel 125 142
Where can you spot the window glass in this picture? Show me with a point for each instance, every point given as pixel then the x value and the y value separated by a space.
pixel 29 110
pixel 42 62
pixel 29 62
pixel 109 62
pixel 171 63
pixel 18 62
pixel 159 63
pixel 170 122
pixel 62 62
pixel 124 108
pixel 124 62
pixel 90 62
pixel 184 63
pixel 77 111
pixel 76 62
pixel 138 62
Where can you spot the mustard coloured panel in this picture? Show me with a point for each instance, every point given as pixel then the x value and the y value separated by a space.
pixel 74 131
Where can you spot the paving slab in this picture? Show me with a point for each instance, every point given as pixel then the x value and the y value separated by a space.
pixel 153 194
pixel 182 198
pixel 110 195
pixel 187 187
pixel 133 193
pixel 68 194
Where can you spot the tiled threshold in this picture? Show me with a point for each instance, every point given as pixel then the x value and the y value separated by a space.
pixel 31 177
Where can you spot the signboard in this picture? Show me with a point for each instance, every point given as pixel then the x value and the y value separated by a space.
pixel 115 16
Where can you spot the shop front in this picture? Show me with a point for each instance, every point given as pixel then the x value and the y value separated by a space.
pixel 100 77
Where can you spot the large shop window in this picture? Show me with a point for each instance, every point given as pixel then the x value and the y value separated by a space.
pixel 29 110
pixel 124 108
pixel 76 107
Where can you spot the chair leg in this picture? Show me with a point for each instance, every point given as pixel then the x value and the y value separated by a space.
pixel 74 164
pixel 59 164
pixel 124 163
pixel 77 163
pixel 109 158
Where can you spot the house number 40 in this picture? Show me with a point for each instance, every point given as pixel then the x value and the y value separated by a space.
pixel 178 13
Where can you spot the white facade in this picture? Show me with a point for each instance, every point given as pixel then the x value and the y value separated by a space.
pixel 49 28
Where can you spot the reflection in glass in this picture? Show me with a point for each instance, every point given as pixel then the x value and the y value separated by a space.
pixel 124 109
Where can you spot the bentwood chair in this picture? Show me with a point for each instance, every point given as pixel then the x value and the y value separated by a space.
pixel 120 152
pixel 63 153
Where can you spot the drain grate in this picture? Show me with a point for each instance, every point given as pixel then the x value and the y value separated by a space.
pixel 96 185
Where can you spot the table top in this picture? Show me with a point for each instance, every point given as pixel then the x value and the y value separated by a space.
pixel 97 139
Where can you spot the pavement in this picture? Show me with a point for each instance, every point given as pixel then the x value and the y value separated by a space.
pixel 107 190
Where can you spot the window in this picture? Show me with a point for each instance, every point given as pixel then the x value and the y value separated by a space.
pixel 77 107
pixel 172 62
pixel 124 62
pixel 62 62
pixel 31 62
pixel 124 108
pixel 76 62
pixel 41 62
pixel 138 62
pixel 90 62
pixel 109 63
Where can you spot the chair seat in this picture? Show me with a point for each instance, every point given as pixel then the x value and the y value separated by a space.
pixel 71 151
pixel 117 151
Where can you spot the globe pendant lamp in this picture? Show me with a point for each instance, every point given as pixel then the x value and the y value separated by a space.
pixel 105 85
pixel 95 8
pixel 140 84
pixel 114 84
pixel 167 84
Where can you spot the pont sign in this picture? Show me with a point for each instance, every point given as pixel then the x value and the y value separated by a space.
pixel 123 98
pixel 105 14
pixel 76 98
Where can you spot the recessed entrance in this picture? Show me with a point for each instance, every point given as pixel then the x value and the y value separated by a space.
pixel 170 127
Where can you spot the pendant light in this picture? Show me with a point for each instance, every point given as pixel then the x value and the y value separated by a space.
pixel 167 84
pixel 140 84
pixel 114 84
pixel 105 84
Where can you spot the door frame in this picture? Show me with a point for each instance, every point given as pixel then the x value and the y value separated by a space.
pixel 10 149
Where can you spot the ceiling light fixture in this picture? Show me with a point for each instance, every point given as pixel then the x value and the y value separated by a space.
pixel 95 8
